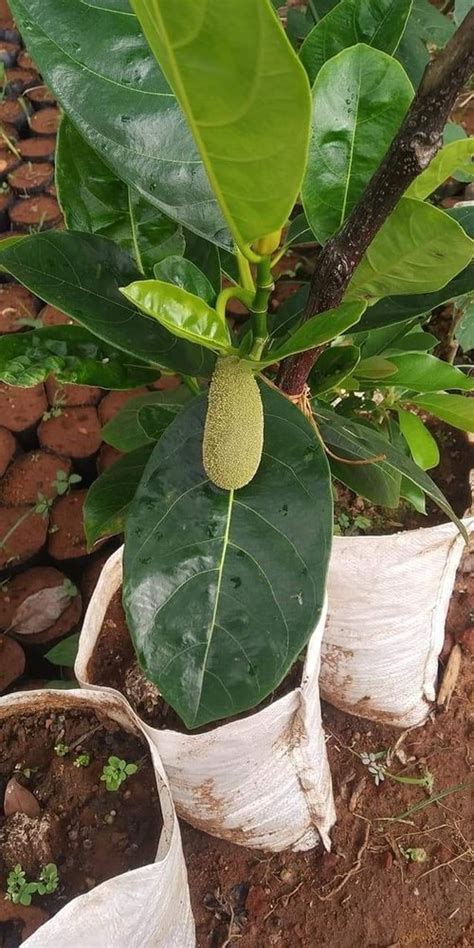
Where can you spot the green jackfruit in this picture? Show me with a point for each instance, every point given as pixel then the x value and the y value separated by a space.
pixel 233 433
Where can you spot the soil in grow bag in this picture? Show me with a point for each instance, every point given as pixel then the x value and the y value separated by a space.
pixel 59 811
pixel 114 664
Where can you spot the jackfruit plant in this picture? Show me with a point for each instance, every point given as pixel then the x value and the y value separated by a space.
pixel 199 145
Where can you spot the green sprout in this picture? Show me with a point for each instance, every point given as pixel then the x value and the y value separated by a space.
pixel 20 891
pixel 414 855
pixel 116 771
pixel 61 749
pixel 82 761
pixel 377 770
pixel 63 482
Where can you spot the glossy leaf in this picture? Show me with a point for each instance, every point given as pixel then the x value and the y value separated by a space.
pixel 180 312
pixel 317 330
pixel 95 201
pixel 376 367
pixel 419 249
pixel 72 354
pixel 415 341
pixel 185 274
pixel 64 653
pixel 459 154
pixel 397 309
pixel 461 9
pixel 126 433
pixel 465 329
pixel 299 232
pixel 332 367
pixel 81 275
pixel 204 568
pixel 377 23
pixel 288 315
pixel 464 215
pixel 423 447
pixel 422 372
pixel 359 100
pixel 359 441
pixel 110 495
pixel 100 68
pixel 426 28
pixel 246 98
pixel 456 410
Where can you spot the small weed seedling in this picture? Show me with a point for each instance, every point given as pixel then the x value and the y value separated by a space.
pixel 116 771
pixel 63 482
pixel 61 750
pixel 377 770
pixel 56 409
pixel 82 761
pixel 414 855
pixel 69 589
pixel 20 891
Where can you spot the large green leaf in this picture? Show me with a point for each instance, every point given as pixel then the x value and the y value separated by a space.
pixel 465 328
pixel 426 28
pixel 456 155
pixel 397 309
pixel 98 63
pixel 181 312
pixel 423 372
pixel 246 98
pixel 360 441
pixel 456 410
pixel 81 275
pixel 461 9
pixel 185 274
pixel 95 201
pixel 423 447
pixel 315 331
pixel 333 366
pixel 125 430
pixel 108 499
pixel 359 100
pixel 419 249
pixel 222 590
pixel 72 354
pixel 378 23
pixel 464 214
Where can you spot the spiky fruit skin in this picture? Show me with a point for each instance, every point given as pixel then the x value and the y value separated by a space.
pixel 233 433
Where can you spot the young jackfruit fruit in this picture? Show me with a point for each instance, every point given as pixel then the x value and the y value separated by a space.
pixel 233 433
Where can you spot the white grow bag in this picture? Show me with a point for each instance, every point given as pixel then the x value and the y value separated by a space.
pixel 388 600
pixel 147 907
pixel 263 781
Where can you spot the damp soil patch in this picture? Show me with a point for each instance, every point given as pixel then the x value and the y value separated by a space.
pixel 68 817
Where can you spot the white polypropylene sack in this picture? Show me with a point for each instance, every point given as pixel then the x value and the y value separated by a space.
pixel 388 600
pixel 262 781
pixel 144 908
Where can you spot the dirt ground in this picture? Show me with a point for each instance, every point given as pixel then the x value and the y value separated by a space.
pixel 368 892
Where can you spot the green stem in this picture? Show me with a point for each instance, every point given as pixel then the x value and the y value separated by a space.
pixel 232 293
pixel 424 803
pixel 245 272
pixel 192 384
pixel 416 781
pixel 259 307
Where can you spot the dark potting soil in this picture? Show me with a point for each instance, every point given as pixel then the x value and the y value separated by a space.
pixel 12 662
pixel 8 449
pixel 39 605
pixel 66 538
pixel 16 305
pixel 45 121
pixel 41 213
pixel 21 408
pixel 40 97
pixel 74 432
pixel 37 149
pixel 32 474
pixel 22 534
pixel 90 833
pixel 113 663
pixel 31 177
pixel 50 316
pixel 71 395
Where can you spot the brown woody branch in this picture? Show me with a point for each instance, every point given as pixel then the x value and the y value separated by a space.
pixel 416 143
